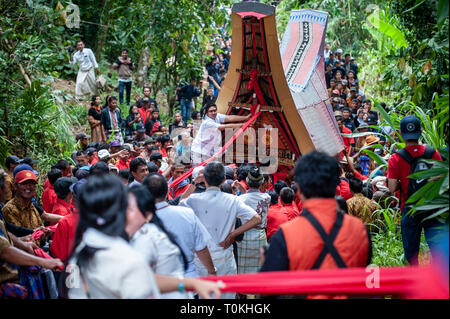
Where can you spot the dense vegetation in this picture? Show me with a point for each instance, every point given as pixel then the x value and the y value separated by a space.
pixel 401 46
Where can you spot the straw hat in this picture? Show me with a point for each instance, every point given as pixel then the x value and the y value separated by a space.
pixel 371 139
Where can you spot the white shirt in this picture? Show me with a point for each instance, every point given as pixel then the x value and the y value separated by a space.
pixel 218 212
pixel 115 271
pixel 260 202
pixel 85 58
pixel 188 231
pixel 208 141
pixel 160 253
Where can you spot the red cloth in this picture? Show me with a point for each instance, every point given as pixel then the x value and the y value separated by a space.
pixel 174 192
pixel 212 158
pixel 399 169
pixel 41 253
pixel 254 85
pixel 155 128
pixel 244 184
pixel 37 234
pixel 279 176
pixel 299 204
pixel 163 152
pixel 343 189
pixel 121 164
pixel 64 236
pixel 48 198
pixel 275 217
pixel 406 282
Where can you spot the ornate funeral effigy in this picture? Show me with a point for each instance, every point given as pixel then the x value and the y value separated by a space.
pixel 256 76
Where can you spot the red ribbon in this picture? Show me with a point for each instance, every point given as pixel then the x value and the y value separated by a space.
pixel 409 282
pixel 227 144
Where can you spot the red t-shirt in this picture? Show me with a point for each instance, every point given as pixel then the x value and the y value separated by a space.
pixel 343 189
pixel 399 169
pixel 348 141
pixel 121 164
pixel 64 236
pixel 275 217
pixel 360 176
pixel 48 198
pixel 47 184
pixel 144 113
pixel 94 160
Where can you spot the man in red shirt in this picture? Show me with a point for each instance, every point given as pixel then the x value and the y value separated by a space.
pixel 284 212
pixel 124 158
pixel 63 205
pixel 92 155
pixel 398 171
pixel 48 195
pixel 348 141
pixel 177 171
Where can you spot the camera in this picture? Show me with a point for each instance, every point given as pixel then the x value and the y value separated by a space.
pixel 70 49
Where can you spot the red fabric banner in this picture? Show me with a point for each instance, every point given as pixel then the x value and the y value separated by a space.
pixel 406 282
pixel 41 253
pixel 38 233
pixel 227 144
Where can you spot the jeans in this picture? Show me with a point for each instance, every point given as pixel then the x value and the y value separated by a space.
pixel 185 109
pixel 122 86
pixel 411 228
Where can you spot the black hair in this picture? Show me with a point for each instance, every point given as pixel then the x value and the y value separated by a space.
pixel 53 175
pixel 153 148
pixel 254 178
pixel 136 162
pixel 273 197
pixel 163 139
pixel 214 173
pixel 279 185
pixel 206 108
pixel 229 173
pixel 317 175
pixel 99 168
pixel 146 203
pixel 94 97
pixel 342 204
pixel 125 147
pixel 226 188
pixel 242 172
pixel 102 205
pixel 102 146
pixel 124 173
pixel 287 195
pixel 152 167
pixel 80 153
pixel 157 185
pixel 92 145
pixel 62 187
pixel 194 114
pixel 356 185
pixel 124 50
pixel 146 87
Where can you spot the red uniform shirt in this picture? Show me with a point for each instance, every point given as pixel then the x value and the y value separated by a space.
pixel 48 198
pixel 94 160
pixel 144 113
pixel 348 141
pixel 121 164
pixel 64 236
pixel 275 218
pixel 360 176
pixel 61 208
pixel 399 169
pixel 343 189
pixel 47 184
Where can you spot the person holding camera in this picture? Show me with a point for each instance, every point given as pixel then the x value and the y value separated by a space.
pixel 85 85
pixel 124 65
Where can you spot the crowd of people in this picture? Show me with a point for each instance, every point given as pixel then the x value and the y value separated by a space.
pixel 112 219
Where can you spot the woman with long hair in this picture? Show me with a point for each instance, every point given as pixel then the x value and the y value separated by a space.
pixel 94 114
pixel 166 258
pixel 103 264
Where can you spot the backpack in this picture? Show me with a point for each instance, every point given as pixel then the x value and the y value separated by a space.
pixel 417 165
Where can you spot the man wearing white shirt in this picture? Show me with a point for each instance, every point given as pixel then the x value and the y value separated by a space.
pixel 188 231
pixel 86 85
pixel 218 212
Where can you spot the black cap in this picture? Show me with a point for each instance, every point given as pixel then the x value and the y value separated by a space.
pixel 410 128
pixel 28 160
pixel 90 151
pixel 140 127
pixel 12 159
pixel 372 120
pixel 156 156
pixel 81 136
